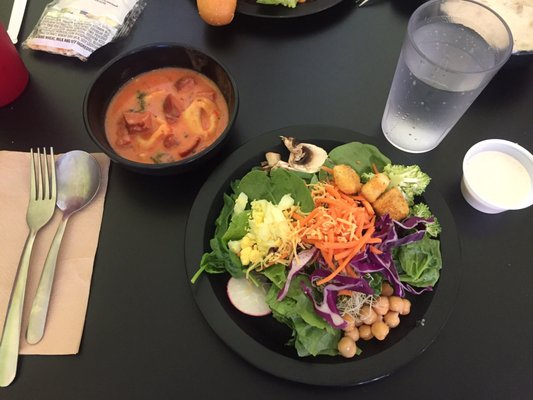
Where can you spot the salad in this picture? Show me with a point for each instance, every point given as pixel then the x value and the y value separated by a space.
pixel 285 3
pixel 329 243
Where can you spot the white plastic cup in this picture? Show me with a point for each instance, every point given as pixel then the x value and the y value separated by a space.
pixel 452 49
pixel 483 200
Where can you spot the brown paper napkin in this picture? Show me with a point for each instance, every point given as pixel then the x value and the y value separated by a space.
pixel 70 293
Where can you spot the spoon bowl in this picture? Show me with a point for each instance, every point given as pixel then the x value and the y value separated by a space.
pixel 78 179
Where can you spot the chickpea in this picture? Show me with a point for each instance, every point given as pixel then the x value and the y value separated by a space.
pixel 382 305
pixel 386 289
pixel 365 332
pixel 380 330
pixel 353 334
pixel 406 307
pixel 396 304
pixel 350 321
pixel 392 319
pixel 368 315
pixel 347 347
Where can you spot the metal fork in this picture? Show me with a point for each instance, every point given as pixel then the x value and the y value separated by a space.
pixel 361 3
pixel 40 210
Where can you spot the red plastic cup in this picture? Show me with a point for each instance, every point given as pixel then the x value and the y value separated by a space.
pixel 13 73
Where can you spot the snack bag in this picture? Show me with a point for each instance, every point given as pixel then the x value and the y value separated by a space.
pixel 76 28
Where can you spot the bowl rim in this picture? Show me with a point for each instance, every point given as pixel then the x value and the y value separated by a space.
pixel 495 145
pixel 163 166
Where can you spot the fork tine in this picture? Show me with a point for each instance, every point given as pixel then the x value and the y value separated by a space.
pixel 32 176
pixel 53 168
pixel 39 175
pixel 46 176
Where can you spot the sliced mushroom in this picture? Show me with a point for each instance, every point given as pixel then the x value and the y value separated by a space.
pixel 304 157
pixel 272 158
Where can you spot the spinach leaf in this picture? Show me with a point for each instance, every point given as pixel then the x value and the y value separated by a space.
pixel 420 262
pixel 256 185
pixel 161 158
pixel 238 226
pixel 286 182
pixel 221 259
pixel 359 156
pixel 259 185
pixel 223 220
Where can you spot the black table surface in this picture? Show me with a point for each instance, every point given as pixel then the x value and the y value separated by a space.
pixel 144 336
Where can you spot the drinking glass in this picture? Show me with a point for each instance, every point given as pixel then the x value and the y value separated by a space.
pixel 451 51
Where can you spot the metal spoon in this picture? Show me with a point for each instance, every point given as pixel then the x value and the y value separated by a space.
pixel 78 180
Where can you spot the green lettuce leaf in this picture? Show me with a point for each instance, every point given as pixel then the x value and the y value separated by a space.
pixel 277 274
pixel 420 262
pixel 312 335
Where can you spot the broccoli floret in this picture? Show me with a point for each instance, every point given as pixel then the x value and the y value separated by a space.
pixel 366 176
pixel 422 210
pixel 409 179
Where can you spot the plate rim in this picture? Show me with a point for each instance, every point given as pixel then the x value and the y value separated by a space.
pixel 366 370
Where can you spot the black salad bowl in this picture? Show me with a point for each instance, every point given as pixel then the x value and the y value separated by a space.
pixel 143 59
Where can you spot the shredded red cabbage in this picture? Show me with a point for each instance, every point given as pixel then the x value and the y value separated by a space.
pixel 357 284
pixel 389 231
pixel 328 308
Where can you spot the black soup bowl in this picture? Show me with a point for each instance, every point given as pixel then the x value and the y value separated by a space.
pixel 147 58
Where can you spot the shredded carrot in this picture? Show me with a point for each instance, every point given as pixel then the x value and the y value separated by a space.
pixel 346 260
pixel 375 169
pixel 297 216
pixel 332 191
pixel 375 250
pixel 340 226
pixel 327 169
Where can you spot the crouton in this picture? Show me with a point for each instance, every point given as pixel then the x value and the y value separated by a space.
pixel 392 202
pixel 346 179
pixel 375 187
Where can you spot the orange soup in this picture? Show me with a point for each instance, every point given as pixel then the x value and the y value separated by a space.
pixel 165 115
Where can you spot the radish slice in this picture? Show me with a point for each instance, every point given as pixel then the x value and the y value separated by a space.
pixel 248 298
